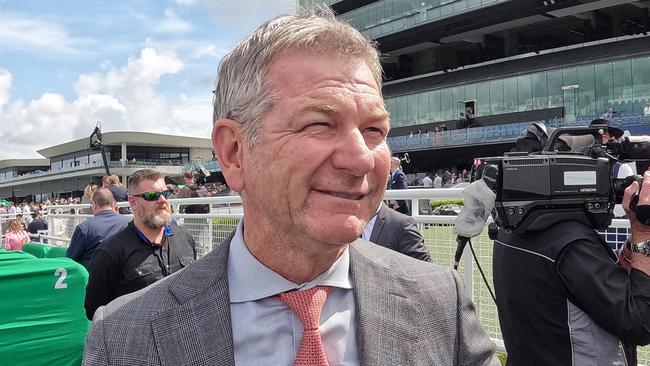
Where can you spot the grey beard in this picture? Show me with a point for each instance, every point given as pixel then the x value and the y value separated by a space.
pixel 154 220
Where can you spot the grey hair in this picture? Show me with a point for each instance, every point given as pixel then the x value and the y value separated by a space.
pixel 242 93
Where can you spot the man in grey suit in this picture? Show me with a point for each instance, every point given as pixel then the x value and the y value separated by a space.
pixel 396 231
pixel 300 130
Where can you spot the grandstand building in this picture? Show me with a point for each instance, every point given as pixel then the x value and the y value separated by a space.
pixel 464 78
pixel 67 168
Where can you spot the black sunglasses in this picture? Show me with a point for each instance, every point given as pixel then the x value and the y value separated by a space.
pixel 153 195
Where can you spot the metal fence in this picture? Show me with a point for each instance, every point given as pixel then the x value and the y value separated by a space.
pixel 211 229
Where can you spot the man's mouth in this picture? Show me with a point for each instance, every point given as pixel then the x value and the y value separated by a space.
pixel 347 196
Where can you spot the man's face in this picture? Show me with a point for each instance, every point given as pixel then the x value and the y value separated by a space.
pixel 188 181
pixel 154 214
pixel 394 165
pixel 319 167
pixel 105 183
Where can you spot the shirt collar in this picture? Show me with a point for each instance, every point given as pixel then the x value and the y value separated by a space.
pixel 250 280
pixel 167 232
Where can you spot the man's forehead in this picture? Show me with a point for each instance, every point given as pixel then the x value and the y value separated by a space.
pixel 297 70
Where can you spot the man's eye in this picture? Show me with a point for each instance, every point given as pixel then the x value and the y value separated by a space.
pixel 317 126
pixel 375 130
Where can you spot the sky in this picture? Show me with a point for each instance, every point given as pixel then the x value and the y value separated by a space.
pixel 133 65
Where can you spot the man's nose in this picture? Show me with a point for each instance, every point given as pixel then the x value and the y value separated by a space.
pixel 352 153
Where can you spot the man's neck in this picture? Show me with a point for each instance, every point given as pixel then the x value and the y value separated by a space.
pixel 297 260
pixel 154 235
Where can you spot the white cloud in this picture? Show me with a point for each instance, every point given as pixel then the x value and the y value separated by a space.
pixel 172 24
pixel 211 50
pixel 5 85
pixel 36 35
pixel 26 127
pixel 121 98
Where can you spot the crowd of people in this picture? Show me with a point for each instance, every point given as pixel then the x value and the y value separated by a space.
pixel 441 179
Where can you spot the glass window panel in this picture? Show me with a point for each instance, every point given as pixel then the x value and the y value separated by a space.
pixel 641 80
pixel 510 95
pixel 496 96
pixel 470 92
pixel 586 91
pixel 540 91
pixel 603 87
pixel 524 93
pixel 390 105
pixel 434 103
pixel 555 94
pixel 459 96
pixel 412 101
pixel 482 99
pixel 423 108
pixel 402 113
pixel 622 90
pixel 569 76
pixel 446 104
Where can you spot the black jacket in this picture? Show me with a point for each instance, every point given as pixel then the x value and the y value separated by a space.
pixel 563 299
pixel 128 262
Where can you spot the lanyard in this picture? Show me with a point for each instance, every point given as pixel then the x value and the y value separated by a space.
pixel 159 249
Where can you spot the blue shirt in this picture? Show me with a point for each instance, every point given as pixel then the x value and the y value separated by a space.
pixel 91 233
pixel 265 331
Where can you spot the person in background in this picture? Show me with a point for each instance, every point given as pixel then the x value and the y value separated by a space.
pixel 396 231
pixel 148 249
pixel 120 193
pixel 398 180
pixel 427 182
pixel 16 236
pixel 38 223
pixel 87 198
pixel 619 169
pixel 91 233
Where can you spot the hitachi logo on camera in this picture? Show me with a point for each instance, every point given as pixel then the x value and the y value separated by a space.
pixel 588 189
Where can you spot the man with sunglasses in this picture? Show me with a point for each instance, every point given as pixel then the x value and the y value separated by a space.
pixel 151 247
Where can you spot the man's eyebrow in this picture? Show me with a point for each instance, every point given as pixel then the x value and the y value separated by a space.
pixel 379 115
pixel 322 108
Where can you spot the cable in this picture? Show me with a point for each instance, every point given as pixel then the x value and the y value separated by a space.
pixel 481 270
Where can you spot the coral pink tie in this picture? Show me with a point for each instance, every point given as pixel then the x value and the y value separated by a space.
pixel 307 306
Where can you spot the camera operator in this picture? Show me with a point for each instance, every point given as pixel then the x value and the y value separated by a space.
pixel 565 298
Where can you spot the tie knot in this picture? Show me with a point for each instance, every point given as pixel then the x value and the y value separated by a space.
pixel 307 305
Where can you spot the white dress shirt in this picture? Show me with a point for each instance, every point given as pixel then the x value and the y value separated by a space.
pixel 265 331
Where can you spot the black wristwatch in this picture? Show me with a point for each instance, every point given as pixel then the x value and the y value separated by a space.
pixel 642 247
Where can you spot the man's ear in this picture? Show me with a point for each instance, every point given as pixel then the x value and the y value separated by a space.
pixel 228 144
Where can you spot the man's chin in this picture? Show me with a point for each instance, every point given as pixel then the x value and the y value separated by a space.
pixel 345 232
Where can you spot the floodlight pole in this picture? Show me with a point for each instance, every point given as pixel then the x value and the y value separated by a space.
pixel 95 144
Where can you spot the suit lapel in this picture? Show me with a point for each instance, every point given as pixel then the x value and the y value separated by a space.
pixel 379 223
pixel 387 315
pixel 198 331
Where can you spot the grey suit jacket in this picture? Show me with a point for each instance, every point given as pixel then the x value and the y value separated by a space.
pixel 396 231
pixel 409 312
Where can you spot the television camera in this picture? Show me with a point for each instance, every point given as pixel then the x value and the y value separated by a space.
pixel 535 190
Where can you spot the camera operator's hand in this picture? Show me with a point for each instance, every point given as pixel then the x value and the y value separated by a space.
pixel 640 232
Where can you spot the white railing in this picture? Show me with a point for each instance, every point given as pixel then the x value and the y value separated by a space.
pixel 226 211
